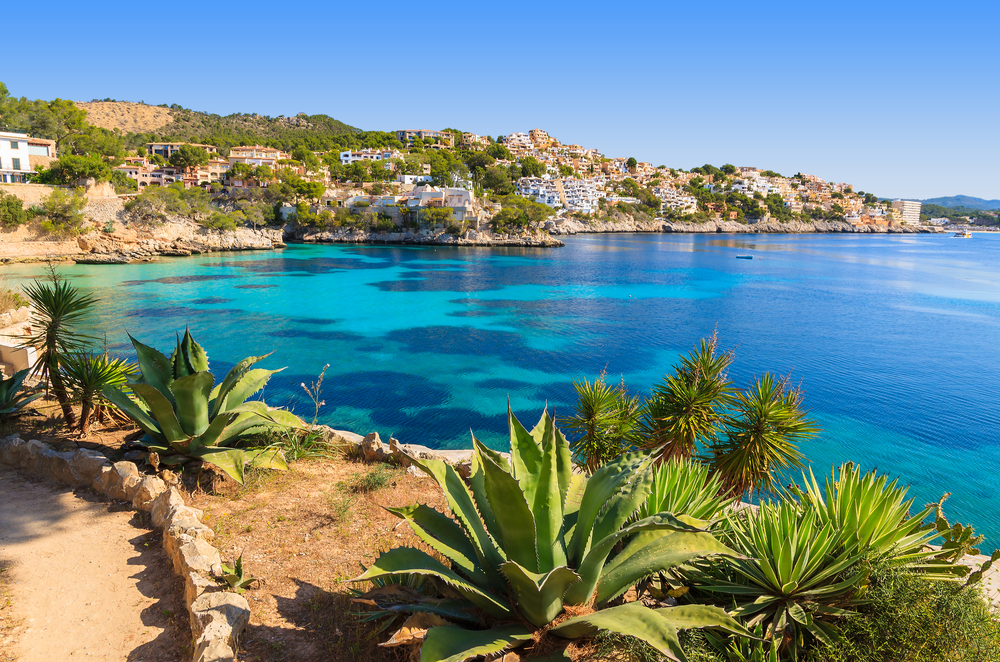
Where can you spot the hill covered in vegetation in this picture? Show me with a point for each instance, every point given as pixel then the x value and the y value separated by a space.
pixel 144 123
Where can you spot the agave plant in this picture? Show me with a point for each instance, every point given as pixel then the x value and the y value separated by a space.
pixel 530 553
pixel 683 485
pixel 795 578
pixel 12 397
pixel 86 375
pixel 873 514
pixel 185 418
pixel 687 408
pixel 762 434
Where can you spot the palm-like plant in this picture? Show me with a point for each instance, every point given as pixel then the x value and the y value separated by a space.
pixel 606 422
pixel 57 308
pixel 762 433
pixel 87 375
pixel 532 542
pixel 185 418
pixel 12 397
pixel 687 408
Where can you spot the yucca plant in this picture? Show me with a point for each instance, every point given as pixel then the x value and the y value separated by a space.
pixel 57 308
pixel 872 513
pixel 86 375
pixel 12 397
pixel 795 576
pixel 605 421
pixel 185 418
pixel 531 544
pixel 682 485
pixel 762 432
pixel 687 408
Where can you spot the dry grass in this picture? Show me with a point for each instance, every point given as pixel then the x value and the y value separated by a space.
pixel 303 533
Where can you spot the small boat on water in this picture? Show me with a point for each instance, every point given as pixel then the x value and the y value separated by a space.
pixel 744 257
pixel 962 234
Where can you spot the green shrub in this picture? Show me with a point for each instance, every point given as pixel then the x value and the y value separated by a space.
pixel 12 211
pixel 454 230
pixel 219 221
pixel 910 618
pixel 63 211
pixel 605 422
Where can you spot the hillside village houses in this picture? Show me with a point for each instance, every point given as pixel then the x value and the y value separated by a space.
pixel 575 178
pixel 20 153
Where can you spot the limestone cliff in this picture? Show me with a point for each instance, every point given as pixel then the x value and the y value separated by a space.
pixel 625 223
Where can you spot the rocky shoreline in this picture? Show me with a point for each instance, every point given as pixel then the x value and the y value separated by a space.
pixel 568 226
pixel 468 238
pixel 176 239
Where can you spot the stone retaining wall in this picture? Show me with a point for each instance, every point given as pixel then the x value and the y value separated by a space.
pixel 218 617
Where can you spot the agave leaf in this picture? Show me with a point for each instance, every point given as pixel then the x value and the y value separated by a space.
pixel 450 643
pixel 230 460
pixel 624 503
pixel 525 455
pixel 539 596
pixel 409 561
pixel 593 563
pixel 650 552
pixel 212 435
pixel 194 355
pixel 284 418
pixel 266 458
pixel 631 619
pixel 547 506
pixel 445 536
pixel 234 376
pixel 687 617
pixel 250 383
pixel 604 484
pixel 191 395
pixel 133 411
pixel 156 368
pixel 477 483
pixel 163 411
pixel 514 520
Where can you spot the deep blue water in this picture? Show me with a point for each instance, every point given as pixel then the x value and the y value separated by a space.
pixel 894 339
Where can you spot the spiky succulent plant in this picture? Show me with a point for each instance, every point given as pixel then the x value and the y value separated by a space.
pixel 184 417
pixel 531 551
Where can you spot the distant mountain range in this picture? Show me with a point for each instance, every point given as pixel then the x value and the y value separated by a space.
pixel 963 201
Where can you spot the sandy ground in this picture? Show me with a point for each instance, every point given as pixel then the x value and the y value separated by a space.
pixel 83 579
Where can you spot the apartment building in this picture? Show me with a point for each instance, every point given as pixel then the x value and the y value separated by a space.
pixel 906 212
pixel 15 161
pixel 408 136
pixel 539 138
pixel 257 155
pixel 349 157
pixel 167 149
pixel 676 200
pixel 474 141
pixel 518 141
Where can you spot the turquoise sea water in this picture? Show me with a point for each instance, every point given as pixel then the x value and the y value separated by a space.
pixel 894 339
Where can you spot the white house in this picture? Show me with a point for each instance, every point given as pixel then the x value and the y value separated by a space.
pixel 15 165
pixel 413 179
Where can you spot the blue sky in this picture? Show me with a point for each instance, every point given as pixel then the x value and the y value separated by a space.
pixel 900 99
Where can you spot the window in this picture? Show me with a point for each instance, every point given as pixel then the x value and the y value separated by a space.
pixel 13 144
pixel 16 164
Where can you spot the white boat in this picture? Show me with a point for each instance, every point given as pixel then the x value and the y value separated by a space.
pixel 962 234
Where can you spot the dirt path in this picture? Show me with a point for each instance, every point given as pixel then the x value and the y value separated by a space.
pixel 82 579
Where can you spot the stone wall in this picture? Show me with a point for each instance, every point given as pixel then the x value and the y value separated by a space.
pixel 218 617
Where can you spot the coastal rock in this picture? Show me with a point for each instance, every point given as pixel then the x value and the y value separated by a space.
pixel 373 449
pixel 176 237
pixel 470 238
pixel 626 223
